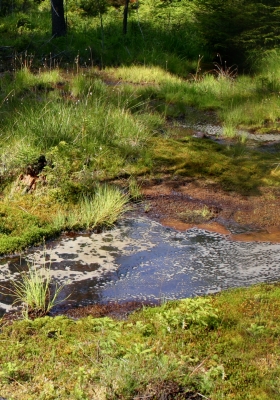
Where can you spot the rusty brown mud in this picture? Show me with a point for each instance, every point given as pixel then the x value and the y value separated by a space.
pixel 178 203
pixel 172 256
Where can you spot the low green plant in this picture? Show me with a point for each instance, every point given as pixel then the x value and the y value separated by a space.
pixel 107 205
pixel 20 228
pixel 229 131
pixel 94 212
pixel 221 346
pixel 8 372
pixel 34 293
pixel 134 189
pixel 197 216
pixel 185 314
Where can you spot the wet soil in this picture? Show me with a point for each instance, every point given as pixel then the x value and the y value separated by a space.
pixel 118 311
pixel 169 199
pixel 250 218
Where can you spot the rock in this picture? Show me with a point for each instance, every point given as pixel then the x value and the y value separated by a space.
pixel 200 135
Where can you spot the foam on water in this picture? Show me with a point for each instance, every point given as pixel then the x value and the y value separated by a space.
pixel 142 260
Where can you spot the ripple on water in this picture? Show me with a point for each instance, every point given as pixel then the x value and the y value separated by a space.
pixel 142 260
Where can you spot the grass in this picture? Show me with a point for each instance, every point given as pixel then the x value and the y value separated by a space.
pixel 134 189
pixel 102 132
pixel 234 167
pixel 33 292
pixel 197 216
pixel 95 127
pixel 100 211
pixel 222 346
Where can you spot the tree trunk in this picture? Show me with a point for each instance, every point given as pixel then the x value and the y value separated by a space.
pixel 58 20
pixel 125 14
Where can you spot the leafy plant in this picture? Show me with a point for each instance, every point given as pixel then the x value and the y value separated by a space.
pixel 197 312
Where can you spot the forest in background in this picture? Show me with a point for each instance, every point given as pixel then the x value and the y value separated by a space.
pixel 169 34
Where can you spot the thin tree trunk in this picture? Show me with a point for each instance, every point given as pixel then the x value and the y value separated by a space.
pixel 125 15
pixel 58 20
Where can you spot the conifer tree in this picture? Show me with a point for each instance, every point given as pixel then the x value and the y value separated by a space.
pixel 235 27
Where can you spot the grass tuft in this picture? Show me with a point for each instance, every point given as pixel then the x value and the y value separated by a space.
pixel 33 292
pixel 101 210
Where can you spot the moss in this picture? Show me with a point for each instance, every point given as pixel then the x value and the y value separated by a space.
pixel 20 229
pixel 185 346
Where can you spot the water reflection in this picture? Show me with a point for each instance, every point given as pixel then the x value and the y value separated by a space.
pixel 142 260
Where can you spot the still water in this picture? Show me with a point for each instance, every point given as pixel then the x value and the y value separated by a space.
pixel 142 260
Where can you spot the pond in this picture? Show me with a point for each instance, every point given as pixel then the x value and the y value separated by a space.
pixel 142 260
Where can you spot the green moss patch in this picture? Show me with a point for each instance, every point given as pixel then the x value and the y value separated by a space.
pixel 19 229
pixel 223 346
pixel 238 169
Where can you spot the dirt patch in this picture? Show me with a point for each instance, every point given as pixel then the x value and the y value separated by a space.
pixel 118 311
pixel 112 310
pixel 169 200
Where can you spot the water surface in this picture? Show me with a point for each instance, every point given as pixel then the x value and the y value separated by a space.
pixel 142 260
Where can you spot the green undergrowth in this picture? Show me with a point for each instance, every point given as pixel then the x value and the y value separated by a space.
pixel 234 167
pixel 29 219
pixel 222 346
pixel 19 229
pixel 247 102
pixel 92 127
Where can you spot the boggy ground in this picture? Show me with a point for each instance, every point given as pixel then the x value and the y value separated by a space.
pixel 174 200
pixel 182 203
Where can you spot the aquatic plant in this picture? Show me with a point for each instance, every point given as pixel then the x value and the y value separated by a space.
pixel 33 292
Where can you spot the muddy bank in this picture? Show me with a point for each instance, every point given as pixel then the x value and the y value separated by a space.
pixel 180 203
pixel 174 203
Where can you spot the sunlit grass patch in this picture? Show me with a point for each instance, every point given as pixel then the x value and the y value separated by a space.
pixel 141 74
pixel 101 210
pixel 233 167
pixel 26 80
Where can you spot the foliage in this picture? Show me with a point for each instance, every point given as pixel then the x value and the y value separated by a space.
pixel 187 313
pixel 234 28
pixel 8 7
pixel 94 8
pixel 34 293
pixel 103 132
pixel 101 210
pixel 228 349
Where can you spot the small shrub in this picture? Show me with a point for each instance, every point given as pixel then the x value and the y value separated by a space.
pixel 185 314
